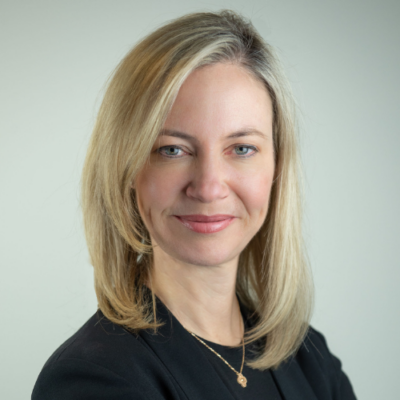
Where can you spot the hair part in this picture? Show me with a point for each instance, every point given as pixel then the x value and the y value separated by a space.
pixel 273 278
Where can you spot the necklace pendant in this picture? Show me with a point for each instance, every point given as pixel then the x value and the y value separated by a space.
pixel 242 380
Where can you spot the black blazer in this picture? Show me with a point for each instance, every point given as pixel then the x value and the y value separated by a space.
pixel 104 361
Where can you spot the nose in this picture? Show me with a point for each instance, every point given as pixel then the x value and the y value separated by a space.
pixel 208 179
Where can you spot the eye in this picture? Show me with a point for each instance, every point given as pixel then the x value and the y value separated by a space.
pixel 243 150
pixel 169 151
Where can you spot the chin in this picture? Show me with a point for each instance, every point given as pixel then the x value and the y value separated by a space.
pixel 197 251
pixel 206 257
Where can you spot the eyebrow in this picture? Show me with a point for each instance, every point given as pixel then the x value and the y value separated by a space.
pixel 240 133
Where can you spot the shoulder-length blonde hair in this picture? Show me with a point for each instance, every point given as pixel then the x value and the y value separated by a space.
pixel 273 278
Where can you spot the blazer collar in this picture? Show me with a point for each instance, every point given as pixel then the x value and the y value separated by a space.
pixel 178 351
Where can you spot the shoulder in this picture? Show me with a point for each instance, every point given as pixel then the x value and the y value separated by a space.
pixel 322 369
pixel 100 358
pixel 101 342
pixel 314 352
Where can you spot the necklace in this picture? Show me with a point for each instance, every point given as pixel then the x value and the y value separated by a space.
pixel 241 379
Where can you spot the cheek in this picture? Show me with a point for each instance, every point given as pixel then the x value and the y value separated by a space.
pixel 157 191
pixel 255 192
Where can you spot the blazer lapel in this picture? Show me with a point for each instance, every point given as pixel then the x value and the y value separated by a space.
pixel 291 382
pixel 176 349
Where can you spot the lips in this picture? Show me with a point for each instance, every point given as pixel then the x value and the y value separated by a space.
pixel 204 223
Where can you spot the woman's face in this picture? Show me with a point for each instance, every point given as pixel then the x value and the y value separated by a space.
pixel 214 156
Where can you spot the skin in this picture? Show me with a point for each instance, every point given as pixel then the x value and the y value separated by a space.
pixel 194 274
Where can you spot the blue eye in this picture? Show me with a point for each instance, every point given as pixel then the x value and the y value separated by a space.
pixel 167 149
pixel 241 147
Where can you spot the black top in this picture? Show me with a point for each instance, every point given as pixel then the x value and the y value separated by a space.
pixel 260 384
pixel 104 361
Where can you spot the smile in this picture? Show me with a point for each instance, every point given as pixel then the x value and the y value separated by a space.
pixel 207 224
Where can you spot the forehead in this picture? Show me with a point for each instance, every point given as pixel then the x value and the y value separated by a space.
pixel 221 98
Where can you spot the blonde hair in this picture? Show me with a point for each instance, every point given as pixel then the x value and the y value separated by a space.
pixel 273 278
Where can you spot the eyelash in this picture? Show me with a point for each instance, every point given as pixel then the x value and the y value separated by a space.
pixel 179 148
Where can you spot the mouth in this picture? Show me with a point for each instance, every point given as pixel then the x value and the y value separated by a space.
pixel 205 224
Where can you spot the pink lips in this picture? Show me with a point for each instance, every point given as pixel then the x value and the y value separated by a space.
pixel 205 224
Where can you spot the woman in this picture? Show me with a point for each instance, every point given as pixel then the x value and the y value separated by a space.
pixel 192 216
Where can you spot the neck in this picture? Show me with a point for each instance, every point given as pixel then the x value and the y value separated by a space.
pixel 202 298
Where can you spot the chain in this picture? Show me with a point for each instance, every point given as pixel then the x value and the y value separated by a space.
pixel 241 379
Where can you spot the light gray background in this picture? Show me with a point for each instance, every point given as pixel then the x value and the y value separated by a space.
pixel 343 61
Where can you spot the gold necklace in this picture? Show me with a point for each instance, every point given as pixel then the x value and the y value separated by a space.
pixel 241 379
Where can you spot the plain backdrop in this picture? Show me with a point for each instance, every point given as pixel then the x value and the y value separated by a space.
pixel 343 61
